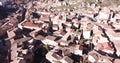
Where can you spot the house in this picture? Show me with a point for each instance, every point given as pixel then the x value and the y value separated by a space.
pixel 97 30
pixel 77 24
pixel 96 57
pixel 89 12
pixel 66 51
pixel 24 51
pixel 116 44
pixel 55 27
pixel 39 37
pixel 78 50
pixel 21 40
pixel 105 47
pixel 53 57
pixel 66 59
pixel 117 16
pixel 55 19
pixel 68 29
pixel 103 14
pixel 62 32
pixel 63 42
pixel 66 36
pixel 100 38
pixel 57 33
pixel 44 16
pixel 116 25
pixel 90 26
pixel 34 33
pixel 112 34
pixel 31 25
pixel 84 21
pixel 69 24
pixel 50 40
pixel 105 26
pixel 93 57
pixel 11 36
pixel 98 35
pixel 86 33
pixel 75 37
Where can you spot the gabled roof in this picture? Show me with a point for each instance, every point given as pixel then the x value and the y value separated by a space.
pixel 39 37
pixel 57 56
pixel 22 40
pixel 30 24
pixel 50 37
pixel 113 33
pixel 63 42
pixel 105 46
pixel 93 56
pixel 105 26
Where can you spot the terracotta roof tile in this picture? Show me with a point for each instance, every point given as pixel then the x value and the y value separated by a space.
pixel 105 46
pixel 30 24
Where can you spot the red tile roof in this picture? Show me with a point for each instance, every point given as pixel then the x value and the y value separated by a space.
pixel 105 46
pixel 81 48
pixel 30 24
